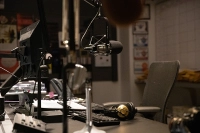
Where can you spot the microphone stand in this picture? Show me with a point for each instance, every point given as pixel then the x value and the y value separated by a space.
pixel 64 83
pixel 39 94
pixel 42 68
pixel 65 110
pixel 89 127
pixel 46 42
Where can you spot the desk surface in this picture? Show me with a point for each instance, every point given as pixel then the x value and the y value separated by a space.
pixel 137 125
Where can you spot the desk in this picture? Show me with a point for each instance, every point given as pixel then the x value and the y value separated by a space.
pixel 137 125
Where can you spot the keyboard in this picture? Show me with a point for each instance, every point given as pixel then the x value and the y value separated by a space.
pixel 96 108
pixel 98 119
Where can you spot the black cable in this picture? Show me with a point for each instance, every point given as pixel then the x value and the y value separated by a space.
pixel 97 40
pixel 31 99
pixel 19 78
pixel 9 72
pixel 97 14
pixel 89 3
pixel 2 116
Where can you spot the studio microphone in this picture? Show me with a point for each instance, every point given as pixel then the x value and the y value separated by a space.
pixel 113 47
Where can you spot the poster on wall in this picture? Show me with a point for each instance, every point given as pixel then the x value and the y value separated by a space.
pixel 8 37
pixel 8 41
pixel 140 53
pixel 146 12
pixel 140 46
pixel 8 33
pixel 140 40
pixel 140 66
pixel 140 27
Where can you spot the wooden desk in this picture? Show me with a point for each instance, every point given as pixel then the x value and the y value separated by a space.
pixel 137 125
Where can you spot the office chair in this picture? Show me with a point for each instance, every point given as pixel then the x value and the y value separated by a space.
pixel 160 81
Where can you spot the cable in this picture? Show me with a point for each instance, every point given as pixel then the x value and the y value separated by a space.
pixel 99 39
pixel 31 99
pixel 2 116
pixel 19 78
pixel 9 73
pixel 89 3
pixel 89 26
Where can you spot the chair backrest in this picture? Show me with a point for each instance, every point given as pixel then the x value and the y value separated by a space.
pixel 161 79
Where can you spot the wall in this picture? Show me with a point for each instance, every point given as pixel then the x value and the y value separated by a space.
pixel 178 38
pixel 178 31
pixel 173 35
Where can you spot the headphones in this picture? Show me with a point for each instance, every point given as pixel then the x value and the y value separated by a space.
pixel 125 111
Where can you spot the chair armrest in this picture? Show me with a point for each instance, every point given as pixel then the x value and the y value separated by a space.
pixel 147 109
pixel 108 104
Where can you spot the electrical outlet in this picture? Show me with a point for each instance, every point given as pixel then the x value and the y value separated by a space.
pixel 103 61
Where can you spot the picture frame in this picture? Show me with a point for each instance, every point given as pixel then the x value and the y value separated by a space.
pixel 146 12
pixel 141 27
pixel 140 66
pixel 140 40
pixel 140 53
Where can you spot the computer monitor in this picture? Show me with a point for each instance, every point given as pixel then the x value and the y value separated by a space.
pixel 31 45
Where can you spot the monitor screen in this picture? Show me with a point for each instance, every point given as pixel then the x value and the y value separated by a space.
pixel 31 45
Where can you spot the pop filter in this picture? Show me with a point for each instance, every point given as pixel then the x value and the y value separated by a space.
pixel 122 12
pixel 77 77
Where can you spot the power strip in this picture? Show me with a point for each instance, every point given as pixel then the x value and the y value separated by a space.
pixel 23 123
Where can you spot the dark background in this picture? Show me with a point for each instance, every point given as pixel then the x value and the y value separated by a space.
pixel 53 15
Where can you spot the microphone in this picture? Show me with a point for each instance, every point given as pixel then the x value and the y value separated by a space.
pixel 113 47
